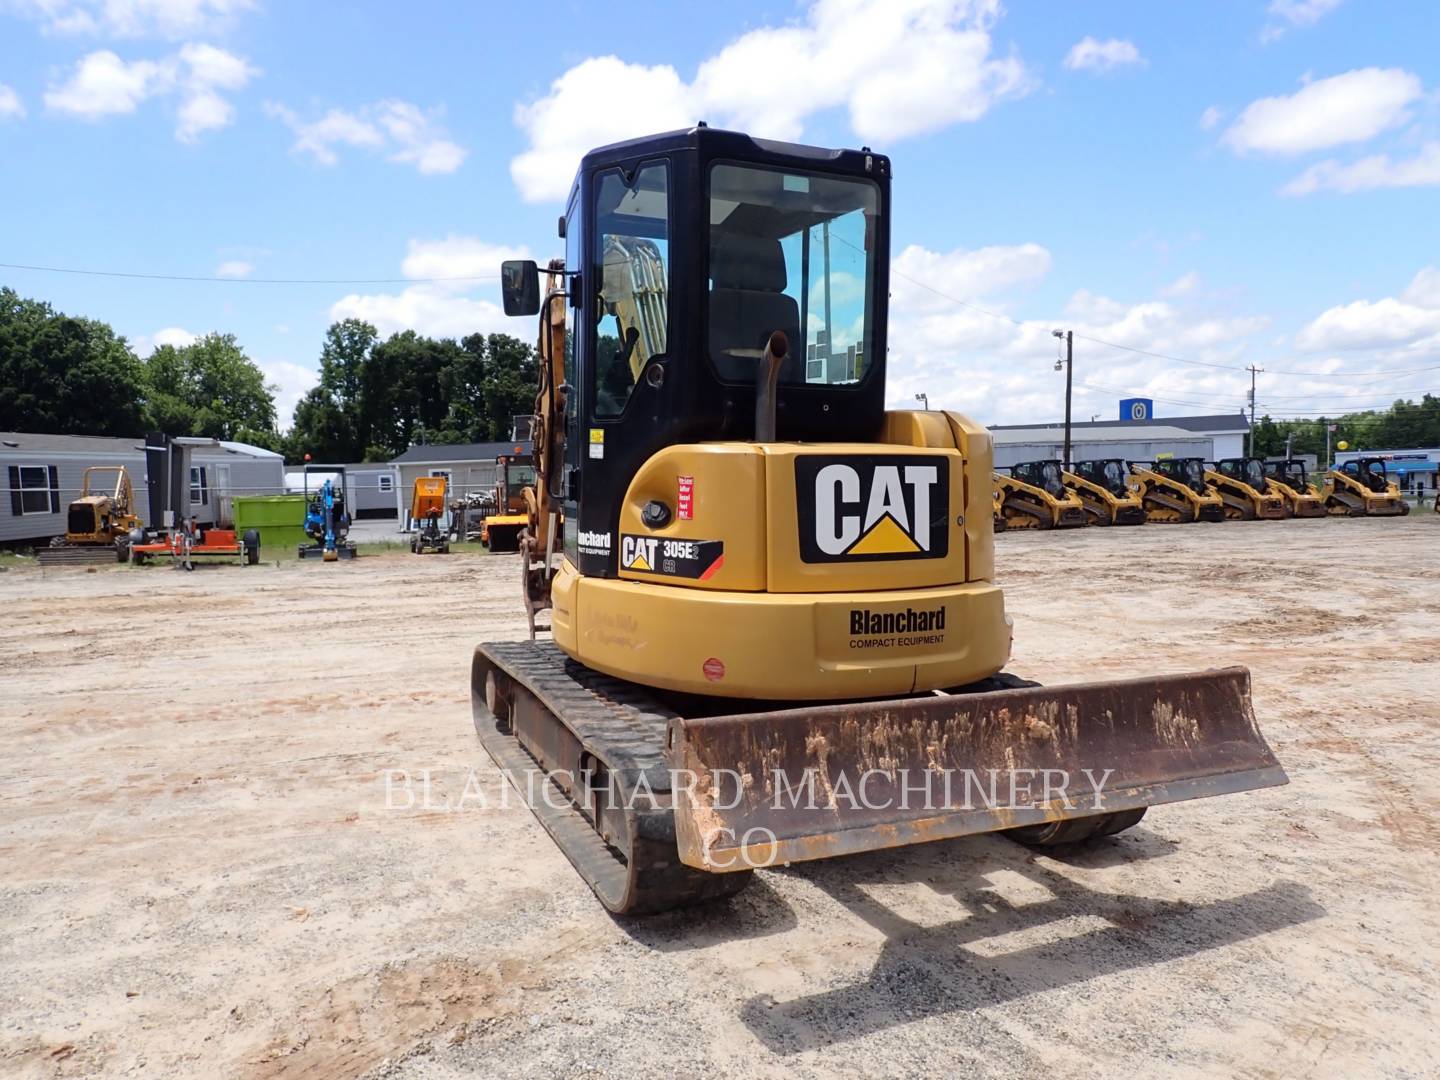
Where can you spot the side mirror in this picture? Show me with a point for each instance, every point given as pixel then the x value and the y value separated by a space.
pixel 520 286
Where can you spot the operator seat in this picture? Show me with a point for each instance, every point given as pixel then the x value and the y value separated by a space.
pixel 748 304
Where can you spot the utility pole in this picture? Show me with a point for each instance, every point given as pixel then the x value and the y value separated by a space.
pixel 1069 337
pixel 1253 372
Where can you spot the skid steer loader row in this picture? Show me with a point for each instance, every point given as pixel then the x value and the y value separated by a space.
pixel 1034 496
pixel 776 632
pixel 1288 480
pixel 1240 483
pixel 1174 490
pixel 1362 488
pixel 1106 491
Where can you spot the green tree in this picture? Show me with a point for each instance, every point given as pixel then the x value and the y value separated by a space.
pixel 209 387
pixel 327 422
pixel 509 383
pixel 65 376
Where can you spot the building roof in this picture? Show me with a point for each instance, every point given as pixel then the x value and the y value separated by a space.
pixel 454 453
pixel 103 445
pixel 1223 423
pixel 1113 432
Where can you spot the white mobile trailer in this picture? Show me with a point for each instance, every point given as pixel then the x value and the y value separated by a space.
pixel 43 474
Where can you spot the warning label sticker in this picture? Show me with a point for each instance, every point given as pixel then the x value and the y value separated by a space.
pixel 685 498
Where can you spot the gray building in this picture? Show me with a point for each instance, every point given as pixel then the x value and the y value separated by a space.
pixel 372 489
pixel 1210 437
pixel 44 473
pixel 470 467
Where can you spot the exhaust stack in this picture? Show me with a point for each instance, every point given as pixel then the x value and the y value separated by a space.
pixel 767 378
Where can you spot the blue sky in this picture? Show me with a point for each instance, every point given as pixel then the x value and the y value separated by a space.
pixel 1224 183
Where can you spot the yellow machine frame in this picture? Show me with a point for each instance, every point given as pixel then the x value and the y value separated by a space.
pixel 1345 496
pixel 1103 506
pixel 718 634
pixel 111 511
pixel 1168 501
pixel 1025 506
pixel 1242 501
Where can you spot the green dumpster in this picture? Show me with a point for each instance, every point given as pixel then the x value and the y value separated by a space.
pixel 279 518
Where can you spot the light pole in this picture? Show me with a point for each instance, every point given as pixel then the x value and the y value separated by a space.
pixel 1069 362
pixel 924 399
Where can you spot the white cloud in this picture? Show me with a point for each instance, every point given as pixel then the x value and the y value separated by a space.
pixel 443 308
pixel 1182 286
pixel 1368 173
pixel 103 84
pixel 1289 14
pixel 1000 368
pixel 919 276
pixel 145 344
pixel 11 107
pixel 1210 118
pixel 404 132
pixel 900 68
pixel 289 382
pixel 234 268
pixel 171 19
pixel 1352 107
pixel 1411 321
pixel 1088 54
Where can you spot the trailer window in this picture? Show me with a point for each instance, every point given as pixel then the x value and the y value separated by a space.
pixel 387 483
pixel 791 252
pixel 199 490
pixel 33 490
pixel 630 272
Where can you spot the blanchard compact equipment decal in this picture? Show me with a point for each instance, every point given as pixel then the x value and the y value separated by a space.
pixel 868 508
pixel 696 559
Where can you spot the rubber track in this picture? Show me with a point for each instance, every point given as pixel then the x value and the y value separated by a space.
pixel 624 726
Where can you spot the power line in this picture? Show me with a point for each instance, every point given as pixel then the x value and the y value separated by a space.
pixel 249 280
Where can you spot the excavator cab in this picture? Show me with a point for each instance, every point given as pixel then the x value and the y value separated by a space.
pixel 764 578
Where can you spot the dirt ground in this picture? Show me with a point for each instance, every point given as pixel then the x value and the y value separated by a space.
pixel 202 875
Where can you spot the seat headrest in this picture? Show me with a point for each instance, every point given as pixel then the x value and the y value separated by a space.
pixel 739 261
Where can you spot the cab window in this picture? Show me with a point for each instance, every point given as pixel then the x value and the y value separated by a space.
pixel 630 271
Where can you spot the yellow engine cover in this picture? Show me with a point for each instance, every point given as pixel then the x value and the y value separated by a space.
pixel 801 570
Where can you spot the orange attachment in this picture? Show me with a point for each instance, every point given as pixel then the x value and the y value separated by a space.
pixel 428 497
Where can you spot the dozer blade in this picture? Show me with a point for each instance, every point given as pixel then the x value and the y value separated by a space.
pixel 797 784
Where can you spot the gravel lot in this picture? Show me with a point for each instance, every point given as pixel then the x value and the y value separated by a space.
pixel 202 876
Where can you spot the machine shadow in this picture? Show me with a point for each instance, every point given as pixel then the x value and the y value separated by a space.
pixel 947 968
pixel 757 911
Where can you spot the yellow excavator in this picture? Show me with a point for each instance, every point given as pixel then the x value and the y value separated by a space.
pixel 1240 483
pixel 1288 479
pixel 1105 489
pixel 776 633
pixel 1362 488
pixel 1174 490
pixel 104 513
pixel 1034 496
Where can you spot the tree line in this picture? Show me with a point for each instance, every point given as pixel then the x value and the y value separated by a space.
pixel 1403 424
pixel 68 375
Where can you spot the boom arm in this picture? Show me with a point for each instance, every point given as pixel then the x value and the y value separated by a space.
pixel 543 501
